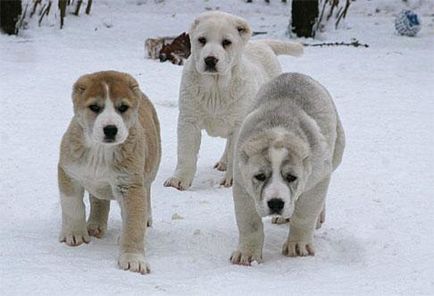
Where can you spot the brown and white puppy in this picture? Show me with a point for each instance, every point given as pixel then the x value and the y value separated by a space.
pixel 153 46
pixel 112 150
pixel 176 51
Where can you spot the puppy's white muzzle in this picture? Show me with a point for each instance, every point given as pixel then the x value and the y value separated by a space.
pixel 109 127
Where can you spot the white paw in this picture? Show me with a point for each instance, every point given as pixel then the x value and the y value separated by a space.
pixel 96 229
pixel 220 166
pixel 279 220
pixel 227 181
pixel 300 248
pixel 74 238
pixel 133 262
pixel 177 183
pixel 245 258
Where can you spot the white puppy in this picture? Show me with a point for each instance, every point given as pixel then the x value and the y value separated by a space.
pixel 287 149
pixel 219 81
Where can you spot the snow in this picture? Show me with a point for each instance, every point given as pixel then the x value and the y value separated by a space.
pixel 378 236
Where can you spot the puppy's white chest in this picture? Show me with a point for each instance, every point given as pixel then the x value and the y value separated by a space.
pixel 218 114
pixel 95 172
pixel 217 127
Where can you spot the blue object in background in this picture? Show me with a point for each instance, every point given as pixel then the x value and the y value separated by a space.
pixel 407 23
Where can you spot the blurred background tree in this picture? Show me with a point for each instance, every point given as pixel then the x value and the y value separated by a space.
pixel 309 16
pixel 10 12
pixel 16 15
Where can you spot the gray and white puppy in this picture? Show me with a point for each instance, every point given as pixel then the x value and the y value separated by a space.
pixel 287 149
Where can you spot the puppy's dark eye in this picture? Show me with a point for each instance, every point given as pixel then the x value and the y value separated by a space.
pixel 226 43
pixel 202 40
pixel 260 177
pixel 290 178
pixel 95 108
pixel 123 108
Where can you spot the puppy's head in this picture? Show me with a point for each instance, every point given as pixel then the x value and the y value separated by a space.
pixel 274 166
pixel 106 106
pixel 217 41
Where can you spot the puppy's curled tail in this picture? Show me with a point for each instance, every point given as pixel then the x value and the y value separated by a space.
pixel 285 48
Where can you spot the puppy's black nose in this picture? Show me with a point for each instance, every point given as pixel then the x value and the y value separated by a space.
pixel 110 132
pixel 210 62
pixel 276 205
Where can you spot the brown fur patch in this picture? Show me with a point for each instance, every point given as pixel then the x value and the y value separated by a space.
pixel 176 51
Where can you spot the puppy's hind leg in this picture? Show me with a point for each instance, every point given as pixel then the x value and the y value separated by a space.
pixel 99 211
pixel 74 231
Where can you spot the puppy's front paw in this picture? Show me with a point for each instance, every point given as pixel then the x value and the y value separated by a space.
pixel 300 248
pixel 74 238
pixel 220 166
pixel 245 258
pixel 227 181
pixel 96 229
pixel 177 183
pixel 133 262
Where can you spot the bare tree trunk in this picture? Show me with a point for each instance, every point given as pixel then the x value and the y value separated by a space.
pixel 304 17
pixel 10 12
pixel 89 6
pixel 77 9
pixel 40 7
pixel 62 7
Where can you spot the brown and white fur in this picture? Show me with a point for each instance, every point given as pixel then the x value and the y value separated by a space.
pixel 112 150
pixel 153 46
pixel 176 51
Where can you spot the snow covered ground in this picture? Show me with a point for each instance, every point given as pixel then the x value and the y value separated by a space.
pixel 378 237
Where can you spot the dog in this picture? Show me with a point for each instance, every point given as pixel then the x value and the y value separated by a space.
pixel 153 46
pixel 112 150
pixel 176 51
pixel 288 147
pixel 219 81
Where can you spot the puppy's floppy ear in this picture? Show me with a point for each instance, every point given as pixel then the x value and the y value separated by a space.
pixel 307 165
pixel 194 25
pixel 255 144
pixel 295 145
pixel 79 88
pixel 243 156
pixel 81 85
pixel 243 29
pixel 133 85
